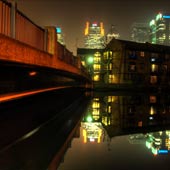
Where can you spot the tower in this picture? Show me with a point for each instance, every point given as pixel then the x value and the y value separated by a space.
pixel 140 32
pixel 160 29
pixel 94 35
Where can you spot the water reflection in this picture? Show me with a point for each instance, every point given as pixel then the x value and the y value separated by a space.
pixel 122 131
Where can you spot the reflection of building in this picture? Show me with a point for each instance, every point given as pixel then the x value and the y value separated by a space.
pixel 94 35
pixel 92 132
pixel 124 113
pixel 140 32
pixel 160 29
pixel 159 142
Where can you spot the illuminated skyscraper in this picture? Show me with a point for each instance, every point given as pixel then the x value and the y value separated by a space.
pixel 160 29
pixel 94 36
pixel 60 37
pixel 140 32
pixel 113 33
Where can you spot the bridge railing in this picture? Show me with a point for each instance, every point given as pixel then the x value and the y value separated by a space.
pixel 15 24
pixel 5 18
pixel 28 32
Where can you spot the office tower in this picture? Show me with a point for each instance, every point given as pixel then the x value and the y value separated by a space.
pixel 60 37
pixel 94 35
pixel 160 29
pixel 140 32
pixel 113 33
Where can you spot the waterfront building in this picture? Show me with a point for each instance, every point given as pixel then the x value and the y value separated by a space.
pixel 94 35
pixel 91 60
pixel 160 29
pixel 140 32
pixel 134 64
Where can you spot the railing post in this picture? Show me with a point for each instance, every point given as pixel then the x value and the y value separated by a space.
pixel 13 17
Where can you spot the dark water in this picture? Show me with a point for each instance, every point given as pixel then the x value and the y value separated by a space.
pixel 122 131
pixel 104 131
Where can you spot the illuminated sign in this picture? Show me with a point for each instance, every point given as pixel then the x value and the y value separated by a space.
pixel 166 16
pixel 94 25
pixel 58 30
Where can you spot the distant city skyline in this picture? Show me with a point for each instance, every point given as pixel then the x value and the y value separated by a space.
pixel 71 16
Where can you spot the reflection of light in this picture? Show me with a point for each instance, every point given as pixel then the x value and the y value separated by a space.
pixel 32 73
pixel 85 136
pixel 163 151
pixel 150 118
pixel 92 132
pixel 152 99
pixel 89 119
pixel 148 144
pixel 152 110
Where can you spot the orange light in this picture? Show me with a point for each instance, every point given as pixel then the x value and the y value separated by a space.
pixel 32 73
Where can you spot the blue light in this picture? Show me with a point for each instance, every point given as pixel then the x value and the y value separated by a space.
pixel 166 16
pixel 58 30
pixel 163 151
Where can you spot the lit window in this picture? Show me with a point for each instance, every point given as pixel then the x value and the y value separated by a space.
pixel 112 79
pixel 96 77
pixel 96 67
pixel 154 68
pixel 95 104
pixel 152 99
pixel 142 54
pixel 153 79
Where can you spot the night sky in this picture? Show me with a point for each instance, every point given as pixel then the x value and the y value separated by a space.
pixel 71 15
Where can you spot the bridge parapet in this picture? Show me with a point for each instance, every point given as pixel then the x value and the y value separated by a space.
pixel 32 44
pixel 12 50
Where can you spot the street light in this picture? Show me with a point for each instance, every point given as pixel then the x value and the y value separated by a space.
pixel 90 60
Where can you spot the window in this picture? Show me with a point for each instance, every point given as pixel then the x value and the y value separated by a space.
pixel 154 68
pixel 96 67
pixel 142 54
pixel 132 67
pixel 132 55
pixel 153 79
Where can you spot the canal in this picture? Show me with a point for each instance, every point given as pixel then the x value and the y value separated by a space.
pixel 71 129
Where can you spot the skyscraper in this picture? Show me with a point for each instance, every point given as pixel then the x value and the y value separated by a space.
pixel 160 29
pixel 140 32
pixel 60 37
pixel 94 35
pixel 113 33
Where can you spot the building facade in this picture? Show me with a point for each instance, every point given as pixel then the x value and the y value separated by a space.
pixel 94 35
pixel 91 60
pixel 160 29
pixel 136 64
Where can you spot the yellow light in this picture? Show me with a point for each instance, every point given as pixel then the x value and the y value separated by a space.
pixel 85 136
pixel 152 111
pixel 87 28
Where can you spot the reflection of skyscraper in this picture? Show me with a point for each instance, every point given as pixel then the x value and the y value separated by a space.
pixel 160 29
pixel 94 36
pixel 159 142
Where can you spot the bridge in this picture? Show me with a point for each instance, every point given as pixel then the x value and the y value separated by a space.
pixel 31 58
